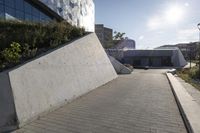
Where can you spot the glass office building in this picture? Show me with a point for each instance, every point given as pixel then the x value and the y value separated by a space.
pixel 24 10
pixel 77 12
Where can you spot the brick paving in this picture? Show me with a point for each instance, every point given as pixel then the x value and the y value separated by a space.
pixel 138 103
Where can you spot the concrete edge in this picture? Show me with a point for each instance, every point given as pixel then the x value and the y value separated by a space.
pixel 188 107
pixel 186 122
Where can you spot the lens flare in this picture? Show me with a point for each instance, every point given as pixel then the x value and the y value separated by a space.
pixel 174 14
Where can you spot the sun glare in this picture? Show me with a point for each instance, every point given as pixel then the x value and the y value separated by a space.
pixel 154 23
pixel 174 14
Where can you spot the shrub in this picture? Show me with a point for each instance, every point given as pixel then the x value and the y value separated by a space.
pixel 27 52
pixel 1 63
pixel 194 73
pixel 76 32
pixel 37 35
pixel 12 54
pixel 33 37
pixel 188 73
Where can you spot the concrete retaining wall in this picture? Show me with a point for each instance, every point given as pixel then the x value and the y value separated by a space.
pixel 59 76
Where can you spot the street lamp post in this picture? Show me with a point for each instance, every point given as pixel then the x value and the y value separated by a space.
pixel 198 25
pixel 190 56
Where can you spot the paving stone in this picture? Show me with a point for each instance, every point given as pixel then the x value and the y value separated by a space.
pixel 138 103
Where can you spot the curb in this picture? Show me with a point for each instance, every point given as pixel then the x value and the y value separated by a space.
pixel 187 105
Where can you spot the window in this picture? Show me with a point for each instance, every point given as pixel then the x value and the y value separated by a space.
pixel 48 18
pixel 10 11
pixel 19 5
pixel 28 8
pixel 1 1
pixel 28 17
pixel 36 19
pixel 20 15
pixel 44 17
pixel 1 11
pixel 1 7
pixel 10 3
pixel 22 10
pixel 35 12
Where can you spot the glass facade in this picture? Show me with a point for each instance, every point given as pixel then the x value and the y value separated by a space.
pixel 21 10
pixel 80 13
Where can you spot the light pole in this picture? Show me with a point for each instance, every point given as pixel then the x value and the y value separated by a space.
pixel 190 56
pixel 198 25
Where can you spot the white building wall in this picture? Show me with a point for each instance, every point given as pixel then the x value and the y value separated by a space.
pixel 77 12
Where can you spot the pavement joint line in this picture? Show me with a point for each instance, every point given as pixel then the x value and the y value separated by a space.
pixel 139 108
pixel 188 107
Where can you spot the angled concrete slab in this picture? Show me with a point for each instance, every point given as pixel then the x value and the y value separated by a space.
pixel 53 79
pixel 7 108
pixel 119 67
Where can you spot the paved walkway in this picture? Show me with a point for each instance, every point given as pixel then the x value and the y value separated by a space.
pixel 138 103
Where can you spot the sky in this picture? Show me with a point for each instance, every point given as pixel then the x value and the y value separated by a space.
pixel 151 23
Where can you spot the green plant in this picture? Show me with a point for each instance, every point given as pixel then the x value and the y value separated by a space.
pixel 118 35
pixel 27 52
pixel 34 38
pixel 40 35
pixel 76 32
pixel 194 73
pixel 12 54
pixel 1 63
pixel 190 75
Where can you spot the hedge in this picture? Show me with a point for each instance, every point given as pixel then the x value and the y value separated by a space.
pixel 37 34
pixel 31 37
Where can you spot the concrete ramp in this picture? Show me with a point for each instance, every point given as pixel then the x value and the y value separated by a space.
pixel 54 79
pixel 119 68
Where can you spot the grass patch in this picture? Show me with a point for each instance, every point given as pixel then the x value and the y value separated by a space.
pixel 190 76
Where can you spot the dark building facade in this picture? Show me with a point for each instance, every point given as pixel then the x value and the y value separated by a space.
pixel 152 58
pixel 104 34
pixel 189 50
pixel 27 10
pixel 79 13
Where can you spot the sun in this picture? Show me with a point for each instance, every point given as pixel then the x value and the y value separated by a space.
pixel 174 14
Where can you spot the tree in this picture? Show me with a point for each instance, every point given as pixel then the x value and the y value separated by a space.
pixel 118 35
